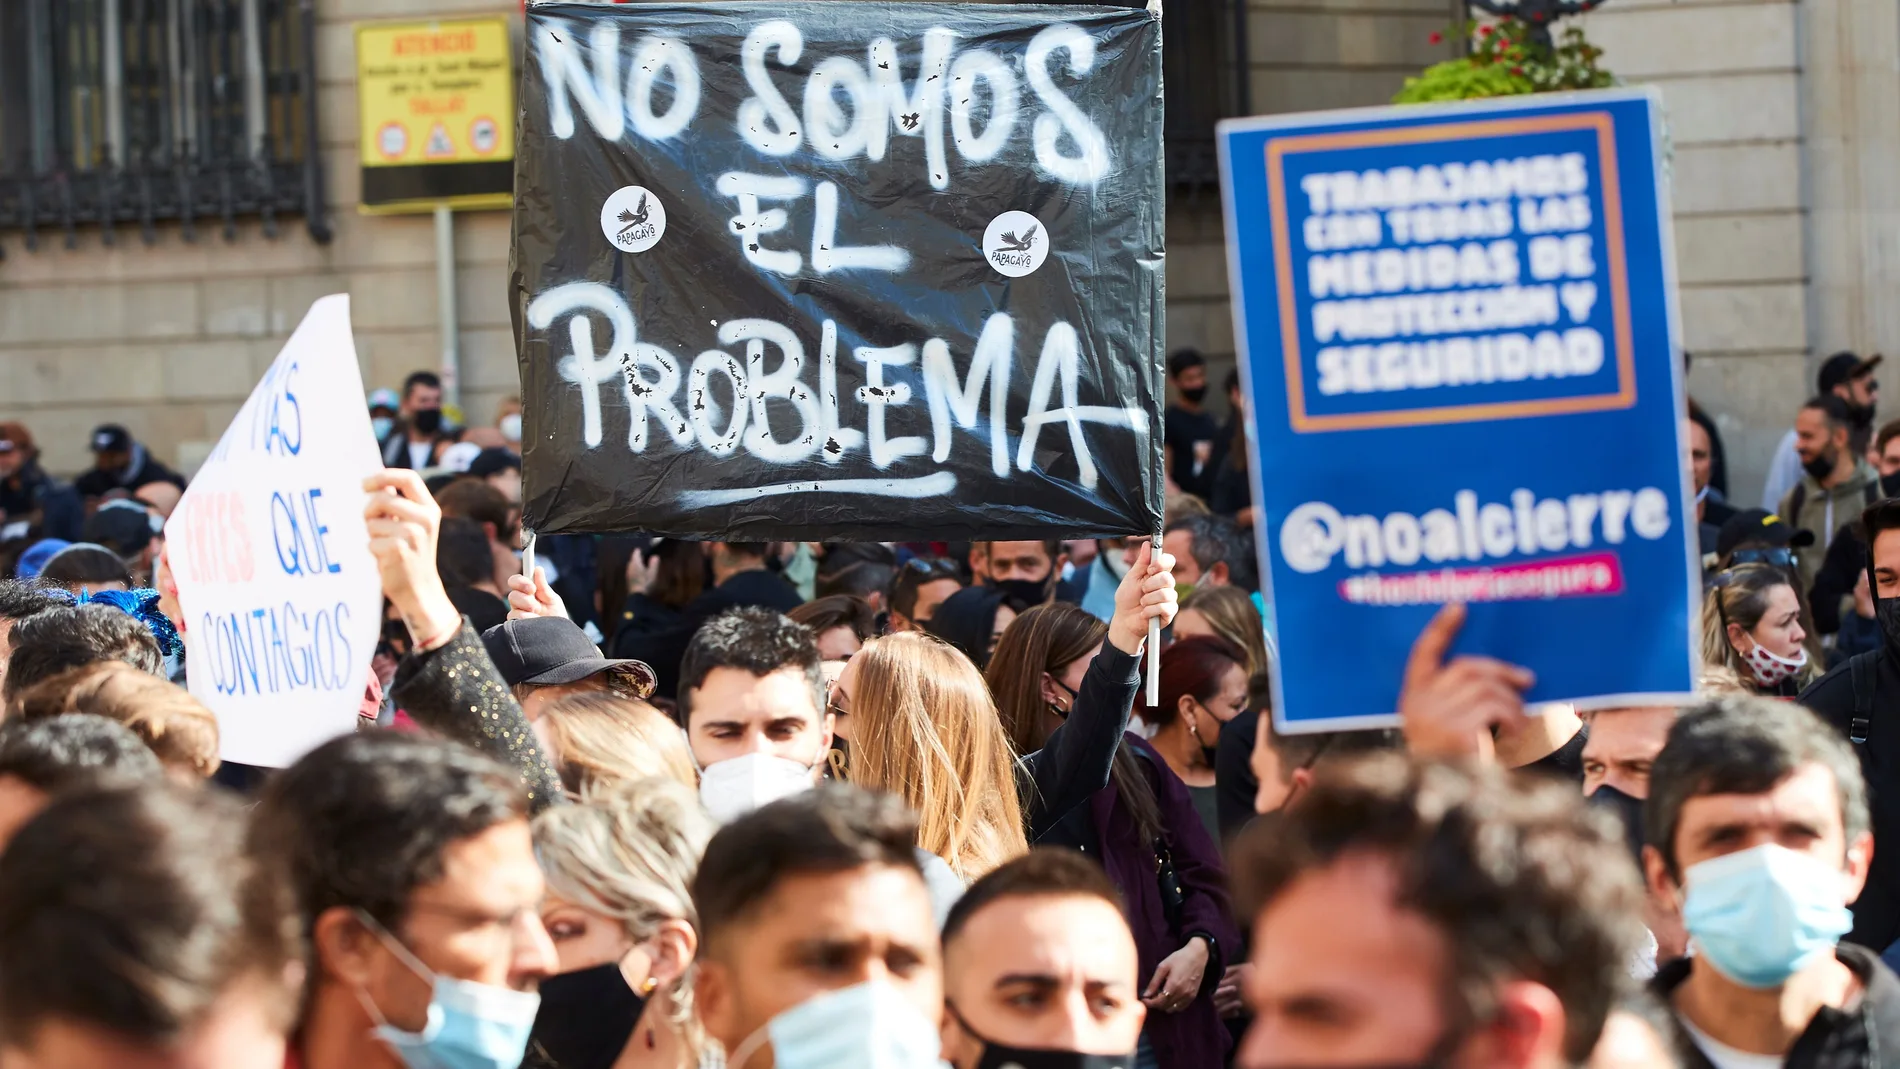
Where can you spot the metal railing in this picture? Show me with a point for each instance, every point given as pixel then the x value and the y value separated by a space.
pixel 1204 72
pixel 128 113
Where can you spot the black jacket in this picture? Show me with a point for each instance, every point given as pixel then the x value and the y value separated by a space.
pixel 145 469
pixel 1865 1037
pixel 659 635
pixel 1833 698
pixel 32 493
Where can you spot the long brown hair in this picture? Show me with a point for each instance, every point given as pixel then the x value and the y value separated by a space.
pixel 1048 639
pixel 924 729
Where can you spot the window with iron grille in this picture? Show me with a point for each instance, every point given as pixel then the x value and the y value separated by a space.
pixel 121 114
pixel 1204 80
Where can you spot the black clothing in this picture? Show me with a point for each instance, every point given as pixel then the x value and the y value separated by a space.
pixel 62 514
pixel 1566 761
pixel 1864 1037
pixel 1076 759
pixel 1833 699
pixel 144 470
pixel 1841 569
pixel 1181 431
pixel 657 634
pixel 1233 773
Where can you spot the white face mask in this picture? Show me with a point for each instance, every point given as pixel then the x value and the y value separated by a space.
pixel 731 789
pixel 510 426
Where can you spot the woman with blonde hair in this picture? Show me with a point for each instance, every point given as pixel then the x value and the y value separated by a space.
pixel 1751 625
pixel 619 870
pixel 1226 612
pixel 921 724
pixel 600 740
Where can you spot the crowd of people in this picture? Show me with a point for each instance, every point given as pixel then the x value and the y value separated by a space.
pixel 657 804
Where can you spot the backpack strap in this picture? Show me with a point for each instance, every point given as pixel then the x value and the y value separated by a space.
pixel 1862 673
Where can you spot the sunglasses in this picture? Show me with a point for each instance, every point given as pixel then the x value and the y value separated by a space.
pixel 1781 557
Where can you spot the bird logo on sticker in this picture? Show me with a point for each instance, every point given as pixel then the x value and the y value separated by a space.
pixel 1015 244
pixel 633 219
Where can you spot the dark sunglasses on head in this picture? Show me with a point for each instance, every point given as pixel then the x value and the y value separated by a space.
pixel 928 568
pixel 1780 557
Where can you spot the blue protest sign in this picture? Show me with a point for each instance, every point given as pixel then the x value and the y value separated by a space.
pixel 1457 337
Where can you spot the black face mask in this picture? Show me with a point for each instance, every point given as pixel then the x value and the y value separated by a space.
pixel 1860 415
pixel 1194 394
pixel 586 1017
pixel 426 420
pixel 1887 611
pixel 997 1056
pixel 1026 591
pixel 1822 466
pixel 1628 810
pixel 1890 485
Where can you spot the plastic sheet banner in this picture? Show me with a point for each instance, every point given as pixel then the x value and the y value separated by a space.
pixel 1458 339
pixel 828 270
pixel 282 601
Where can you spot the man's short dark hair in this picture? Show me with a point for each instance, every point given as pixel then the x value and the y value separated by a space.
pixel 835 828
pixel 838 610
pixel 74 750
pixel 1216 539
pixel 1521 879
pixel 1887 433
pixel 1832 407
pixel 462 554
pixel 1045 871
pixel 474 499
pixel 20 600
pixel 1743 744
pixel 915 573
pixel 66 637
pixel 363 820
pixel 135 910
pixel 1182 359
pixel 420 378
pixel 84 564
pixel 859 579
pixel 1880 516
pixel 755 639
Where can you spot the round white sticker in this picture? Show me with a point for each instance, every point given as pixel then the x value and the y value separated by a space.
pixel 1015 244
pixel 633 219
pixel 392 140
pixel 483 135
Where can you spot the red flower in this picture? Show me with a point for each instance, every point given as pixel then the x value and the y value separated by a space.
pixel 1484 31
pixel 1517 70
pixel 1436 37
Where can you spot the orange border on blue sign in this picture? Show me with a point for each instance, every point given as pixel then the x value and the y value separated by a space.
pixel 1624 397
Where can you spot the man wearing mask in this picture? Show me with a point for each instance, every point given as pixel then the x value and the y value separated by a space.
pixel 383 407
pixel 818 948
pixel 1210 551
pixel 1040 970
pixel 416 879
pixel 1758 834
pixel 120 462
pixel 1490 921
pixel 1859 698
pixel 1848 377
pixel 1837 484
pixel 1113 558
pixel 1027 572
pixel 1618 752
pixel 1188 431
pixel 411 444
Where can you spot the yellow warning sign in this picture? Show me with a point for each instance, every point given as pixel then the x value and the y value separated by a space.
pixel 436 103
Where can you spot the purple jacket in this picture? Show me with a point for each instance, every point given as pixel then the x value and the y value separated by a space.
pixel 1194 1038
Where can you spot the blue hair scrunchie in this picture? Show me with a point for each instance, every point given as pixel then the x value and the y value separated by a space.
pixel 141 605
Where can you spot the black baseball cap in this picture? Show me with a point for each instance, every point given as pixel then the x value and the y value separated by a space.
pixel 1845 367
pixel 1759 527
pixel 124 527
pixel 547 651
pixel 490 461
pixel 111 438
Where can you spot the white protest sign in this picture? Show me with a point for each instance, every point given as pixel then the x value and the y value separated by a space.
pixel 281 599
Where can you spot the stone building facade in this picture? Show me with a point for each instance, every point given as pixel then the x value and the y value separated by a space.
pixel 1784 128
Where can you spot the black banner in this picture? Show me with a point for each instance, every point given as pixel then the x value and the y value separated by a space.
pixel 837 270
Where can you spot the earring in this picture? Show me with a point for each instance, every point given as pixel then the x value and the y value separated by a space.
pixel 648 987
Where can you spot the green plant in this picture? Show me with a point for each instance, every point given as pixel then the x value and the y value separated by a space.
pixel 1506 59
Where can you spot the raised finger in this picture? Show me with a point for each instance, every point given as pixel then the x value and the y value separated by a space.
pixel 1428 652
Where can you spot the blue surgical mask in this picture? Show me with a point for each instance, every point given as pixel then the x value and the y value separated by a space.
pixel 1760 916
pixel 381 425
pixel 866 1026
pixel 470 1025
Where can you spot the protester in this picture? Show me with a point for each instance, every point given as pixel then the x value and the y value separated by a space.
pixel 1203 686
pixel 546 658
pixel 1212 552
pixel 1885 455
pixel 655 584
pixel 973 620
pixel 131 532
pixel 84 568
pixel 1230 493
pixel 1711 510
pixel 178 729
pixel 1188 431
pixel 135 930
pixel 620 913
pixel 501 470
pixel 418 895
pixel 62 638
pixel 1850 379
pixel 1757 826
pixel 862 570
pixel 739 579
pixel 599 741
pixel 1026 572
pixel 467 566
pixel 29 495
pixel 119 462
pixel 1751 624
pixel 1103 574
pixel 1617 757
pixel 18 602
pixel 1285 766
pixel 384 409
pixel 922 584
pixel 411 443
pixel 1837 481
pixel 1228 613
pixel 47 759
pixel 752 705
pixel 472 499
pixel 840 624
pixel 1429 914
pixel 1039 969
pixel 817 940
